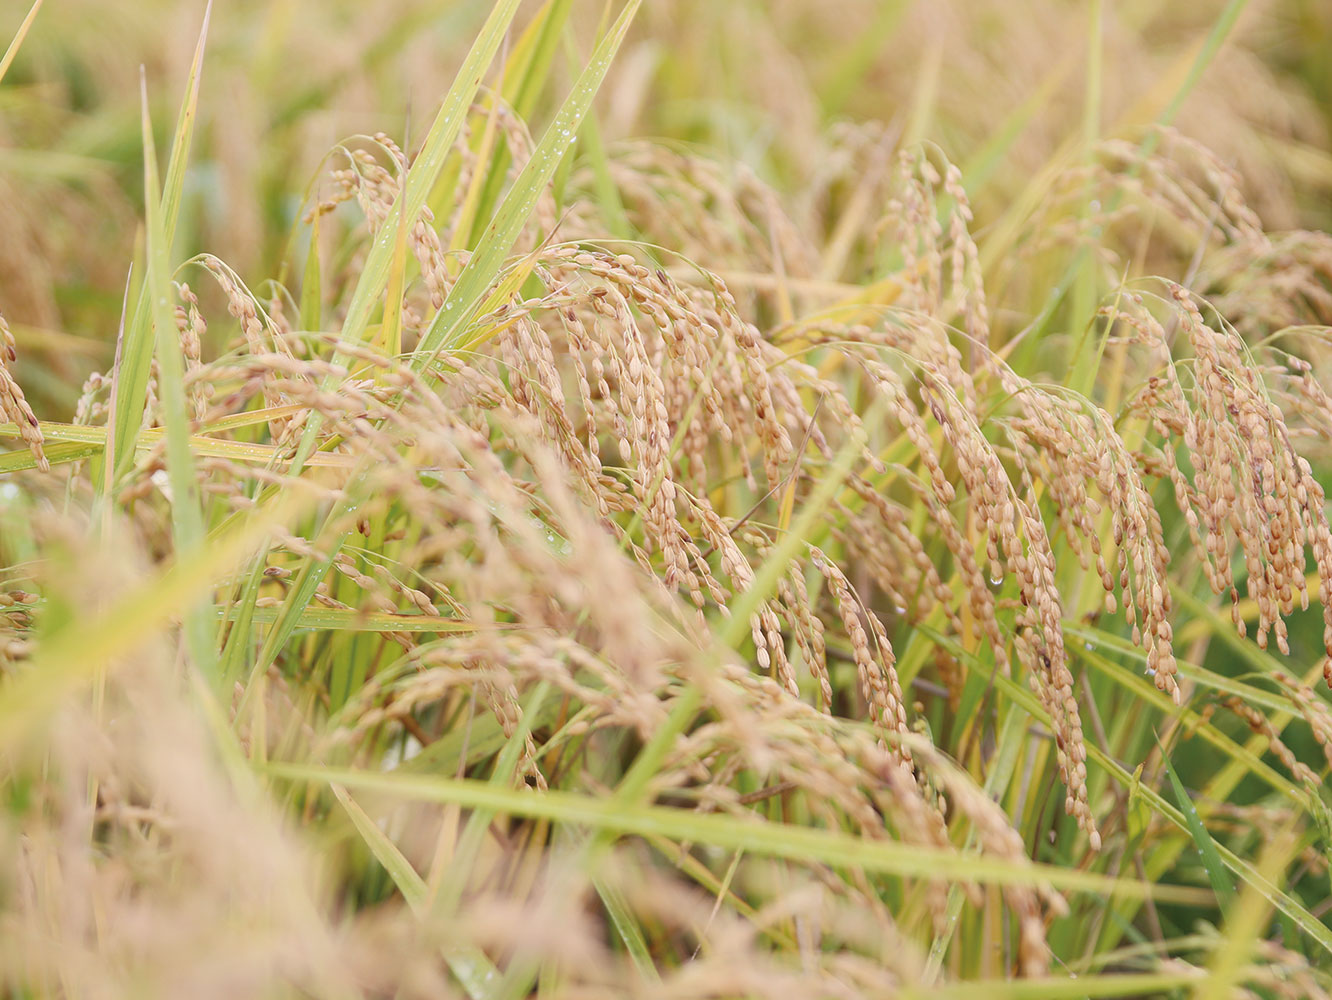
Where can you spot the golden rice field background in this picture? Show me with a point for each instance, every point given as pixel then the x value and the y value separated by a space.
pixel 673 499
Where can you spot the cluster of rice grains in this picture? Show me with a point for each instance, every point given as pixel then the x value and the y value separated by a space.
pixel 589 482
pixel 1250 490
pixel 13 405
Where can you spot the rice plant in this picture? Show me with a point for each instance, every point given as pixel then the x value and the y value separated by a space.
pixel 549 561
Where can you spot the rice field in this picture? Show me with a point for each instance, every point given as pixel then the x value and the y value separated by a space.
pixel 581 499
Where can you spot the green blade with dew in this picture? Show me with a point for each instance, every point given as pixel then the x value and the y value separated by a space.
pixel 1202 840
pixel 56 454
pixel 131 377
pixel 604 188
pixel 525 76
pixel 482 269
pixel 425 170
pixel 389 340
pixel 405 877
pixel 420 180
pixel 187 522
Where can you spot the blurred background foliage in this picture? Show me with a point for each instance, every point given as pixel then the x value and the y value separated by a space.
pixel 997 85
